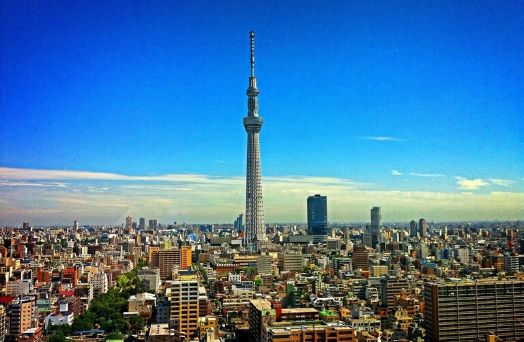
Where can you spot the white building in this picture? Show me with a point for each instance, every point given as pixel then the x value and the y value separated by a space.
pixel 100 283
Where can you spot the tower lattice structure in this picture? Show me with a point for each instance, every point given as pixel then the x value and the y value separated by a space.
pixel 255 231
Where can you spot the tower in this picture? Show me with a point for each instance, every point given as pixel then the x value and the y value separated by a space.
pixel 255 232
pixel 317 215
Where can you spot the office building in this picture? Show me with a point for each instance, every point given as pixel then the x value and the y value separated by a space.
pixel 183 257
pixel 185 307
pixel 390 289
pixel 264 264
pixel 260 311
pixel 375 226
pixel 255 232
pixel 167 259
pixel 142 223
pixel 468 310
pixel 153 224
pixel 293 262
pixel 360 258
pixel 317 221
pixel 239 222
pixel 20 316
pixel 422 228
pixel 413 228
pixel 3 323
pixel 308 331
pixel 129 222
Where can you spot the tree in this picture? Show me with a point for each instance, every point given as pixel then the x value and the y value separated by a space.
pixel 136 323
pixel 58 337
pixel 114 336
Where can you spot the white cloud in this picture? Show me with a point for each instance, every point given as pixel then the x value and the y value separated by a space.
pixel 108 198
pixel 381 138
pixel 470 184
pixel 416 174
pixel 15 183
pixel 396 173
pixel 502 182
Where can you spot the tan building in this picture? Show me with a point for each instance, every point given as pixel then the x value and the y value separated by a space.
pixel 207 326
pixel 20 317
pixel 319 332
pixel 185 307
pixel 161 333
pixel 293 262
pixel 379 270
pixel 142 304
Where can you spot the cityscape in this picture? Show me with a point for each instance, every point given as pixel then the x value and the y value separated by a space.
pixel 381 202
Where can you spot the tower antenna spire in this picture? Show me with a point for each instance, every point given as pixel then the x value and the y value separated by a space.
pixel 252 37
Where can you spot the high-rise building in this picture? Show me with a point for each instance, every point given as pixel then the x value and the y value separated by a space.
pixel 468 310
pixel 293 262
pixel 260 311
pixel 239 222
pixel 153 224
pixel 264 264
pixel 142 223
pixel 255 232
pixel 75 225
pixel 167 259
pixel 317 222
pixel 3 323
pixel 185 307
pixel 375 226
pixel 413 228
pixel 360 258
pixel 20 316
pixel 422 228
pixel 183 257
pixel 390 289
pixel 129 223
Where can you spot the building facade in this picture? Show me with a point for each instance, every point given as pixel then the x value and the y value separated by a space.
pixel 185 307
pixel 468 311
pixel 317 221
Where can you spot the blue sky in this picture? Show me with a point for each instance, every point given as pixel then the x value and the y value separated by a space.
pixel 393 97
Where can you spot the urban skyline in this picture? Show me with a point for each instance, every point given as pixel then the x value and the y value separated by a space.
pixel 406 130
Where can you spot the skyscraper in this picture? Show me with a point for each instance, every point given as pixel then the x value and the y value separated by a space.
pixel 255 231
pixel 142 223
pixel 413 228
pixel 317 215
pixel 422 227
pixel 375 226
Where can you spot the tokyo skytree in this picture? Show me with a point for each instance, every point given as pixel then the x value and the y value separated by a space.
pixel 255 233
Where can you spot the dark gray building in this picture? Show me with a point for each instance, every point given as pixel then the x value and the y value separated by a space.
pixel 375 226
pixel 317 215
pixel 413 228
